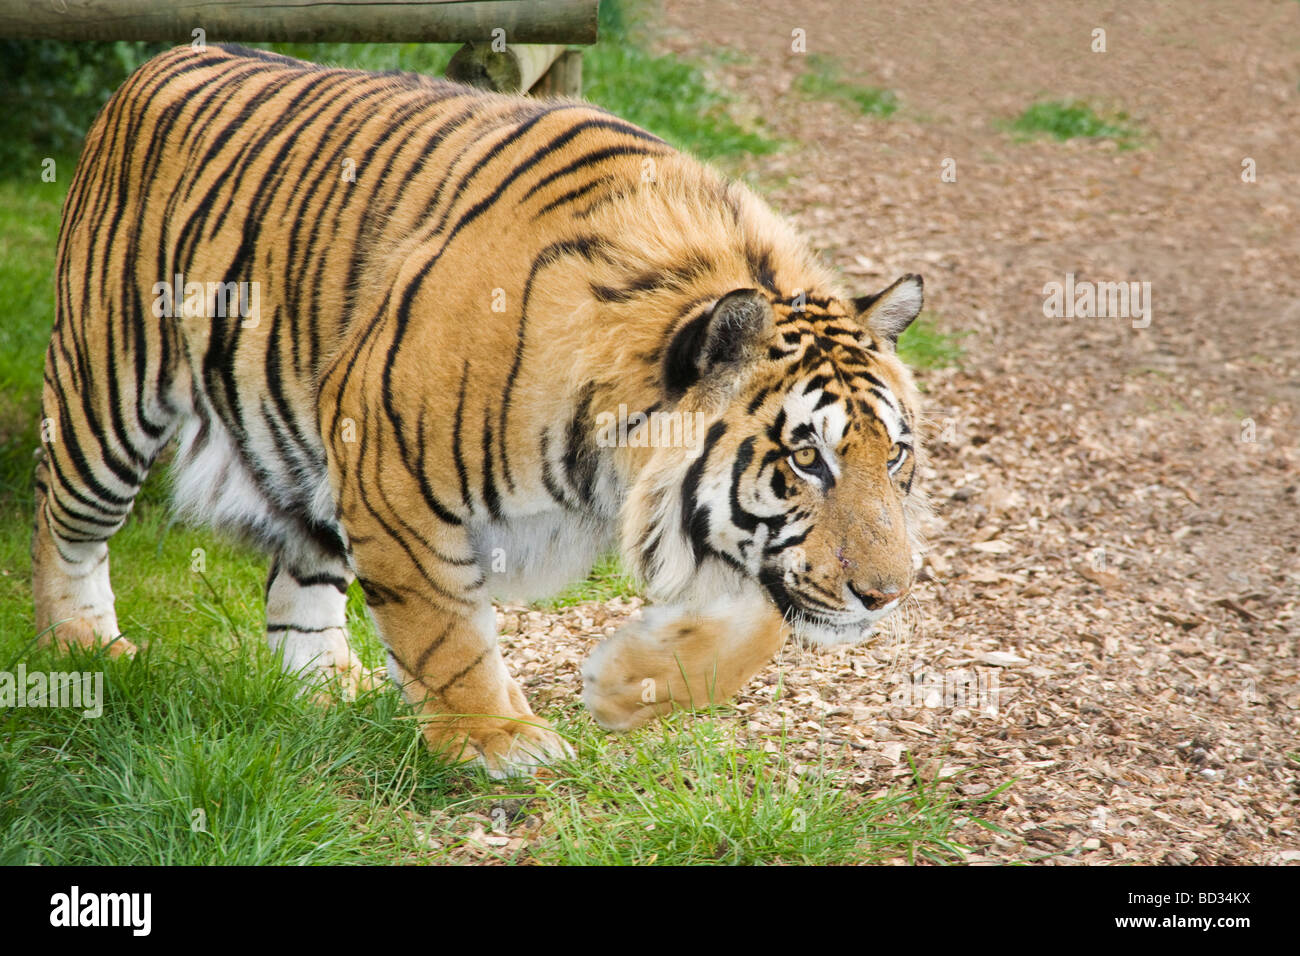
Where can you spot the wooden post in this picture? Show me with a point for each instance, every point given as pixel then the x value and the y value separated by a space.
pixel 513 69
pixel 304 21
pixel 564 78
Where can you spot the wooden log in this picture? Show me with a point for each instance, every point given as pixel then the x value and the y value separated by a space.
pixel 304 21
pixel 511 69
pixel 564 78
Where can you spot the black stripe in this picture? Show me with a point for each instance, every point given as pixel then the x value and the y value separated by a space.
pixel 395 534
pixel 741 518
pixel 552 486
pixel 695 520
pixel 760 267
pixel 335 581
pixel 790 542
pixel 491 497
pixel 432 647
pixel 460 674
pixel 579 457
pixel 571 195
pixel 586 246
pixel 591 159
pixel 457 455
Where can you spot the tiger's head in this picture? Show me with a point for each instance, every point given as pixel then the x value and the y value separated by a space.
pixel 802 477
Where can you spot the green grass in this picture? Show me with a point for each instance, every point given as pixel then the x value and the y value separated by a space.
pixel 824 79
pixel 29 224
pixel 701 796
pixel 205 754
pixel 608 579
pixel 1071 119
pixel 669 95
pixel 202 727
pixel 923 346
pixel 430 58
pixel 671 98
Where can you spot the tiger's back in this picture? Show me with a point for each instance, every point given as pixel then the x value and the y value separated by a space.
pixel 301 185
pixel 381 314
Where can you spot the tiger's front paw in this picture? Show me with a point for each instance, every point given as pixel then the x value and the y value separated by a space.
pixel 619 707
pixel 674 657
pixel 619 694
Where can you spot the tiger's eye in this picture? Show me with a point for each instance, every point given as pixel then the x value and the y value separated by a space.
pixel 805 457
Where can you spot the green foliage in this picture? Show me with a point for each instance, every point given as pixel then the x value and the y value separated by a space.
pixel 672 99
pixel 29 224
pixel 608 579
pixel 428 58
pixel 823 79
pixel 50 91
pixel 1068 119
pixel 203 755
pixel 667 95
pixel 923 346
pixel 688 792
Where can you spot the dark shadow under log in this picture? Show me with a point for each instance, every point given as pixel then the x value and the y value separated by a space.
pixel 305 21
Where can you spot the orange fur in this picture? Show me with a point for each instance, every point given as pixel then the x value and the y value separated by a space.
pixel 435 342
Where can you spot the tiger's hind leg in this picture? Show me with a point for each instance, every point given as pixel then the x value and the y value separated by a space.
pixel 90 468
pixel 70 582
pixel 679 658
pixel 306 618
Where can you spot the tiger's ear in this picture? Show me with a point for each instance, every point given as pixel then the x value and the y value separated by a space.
pixel 890 312
pixel 725 337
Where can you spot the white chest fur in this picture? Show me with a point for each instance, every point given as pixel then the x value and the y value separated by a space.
pixel 529 557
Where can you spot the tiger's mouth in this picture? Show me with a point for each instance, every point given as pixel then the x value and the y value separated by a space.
pixel 817 623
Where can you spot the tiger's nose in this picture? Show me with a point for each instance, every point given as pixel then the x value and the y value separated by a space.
pixel 873 599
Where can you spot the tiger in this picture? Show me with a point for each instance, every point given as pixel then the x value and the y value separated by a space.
pixel 385 321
